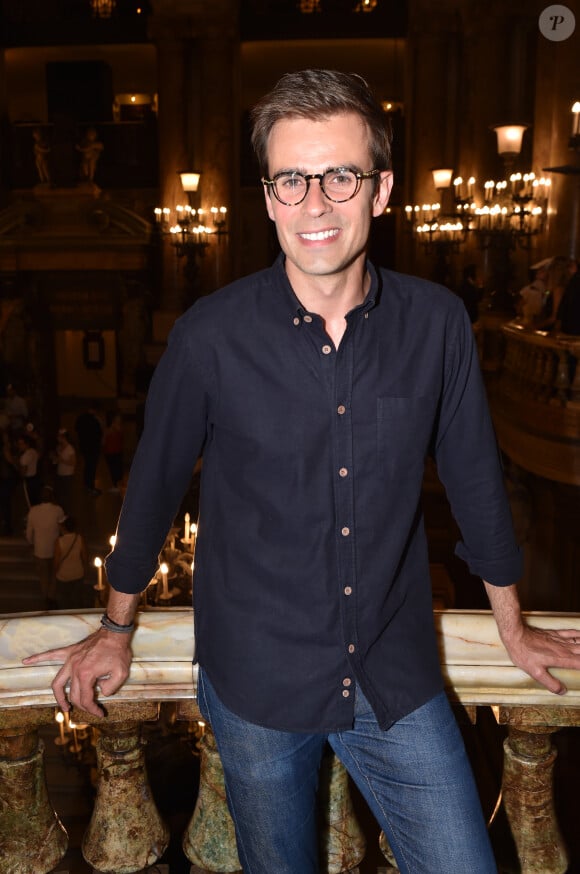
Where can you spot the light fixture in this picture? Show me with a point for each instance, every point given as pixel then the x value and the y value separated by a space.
pixel 189 180
pixel 509 139
pixel 442 177
pixel 102 8
pixel 191 228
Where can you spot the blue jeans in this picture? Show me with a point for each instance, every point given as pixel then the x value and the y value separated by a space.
pixel 415 777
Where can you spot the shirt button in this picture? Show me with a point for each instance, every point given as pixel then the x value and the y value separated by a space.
pixel 345 693
pixel 308 319
pixel 343 471
pixel 347 681
pixel 341 410
pixel 351 648
pixel 296 320
pixel 345 531
pixel 327 349
pixel 348 590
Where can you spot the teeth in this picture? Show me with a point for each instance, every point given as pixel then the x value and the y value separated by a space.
pixel 320 235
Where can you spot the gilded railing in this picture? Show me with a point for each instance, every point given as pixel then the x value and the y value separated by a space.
pixel 126 832
pixel 536 402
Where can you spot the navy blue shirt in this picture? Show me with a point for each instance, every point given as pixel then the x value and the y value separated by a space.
pixel 311 566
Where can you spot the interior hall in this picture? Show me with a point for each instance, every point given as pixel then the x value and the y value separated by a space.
pixel 128 191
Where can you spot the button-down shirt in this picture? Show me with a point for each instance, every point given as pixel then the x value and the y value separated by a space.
pixel 311 567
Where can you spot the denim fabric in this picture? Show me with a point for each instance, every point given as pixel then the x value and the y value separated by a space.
pixel 415 776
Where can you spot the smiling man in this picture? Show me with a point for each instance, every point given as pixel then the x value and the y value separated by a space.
pixel 315 390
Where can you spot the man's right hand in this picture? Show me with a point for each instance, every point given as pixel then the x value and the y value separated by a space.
pixel 100 662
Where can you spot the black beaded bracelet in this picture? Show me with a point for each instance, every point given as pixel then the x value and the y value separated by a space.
pixel 111 625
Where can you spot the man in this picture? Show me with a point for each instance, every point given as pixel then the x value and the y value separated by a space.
pixel 90 436
pixel 42 530
pixel 315 390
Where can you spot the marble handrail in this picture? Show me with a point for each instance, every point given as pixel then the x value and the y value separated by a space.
pixel 475 664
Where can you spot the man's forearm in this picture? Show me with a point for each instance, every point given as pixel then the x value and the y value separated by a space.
pixel 121 607
pixel 505 604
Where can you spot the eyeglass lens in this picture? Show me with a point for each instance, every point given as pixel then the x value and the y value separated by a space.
pixel 337 185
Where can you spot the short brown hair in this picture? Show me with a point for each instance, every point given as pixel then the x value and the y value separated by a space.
pixel 316 95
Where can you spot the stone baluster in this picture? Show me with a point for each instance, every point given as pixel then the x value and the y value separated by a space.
pixel 32 838
pixel 540 369
pixel 575 387
pixel 126 832
pixel 342 843
pixel 562 381
pixel 529 757
pixel 209 840
pixel 548 377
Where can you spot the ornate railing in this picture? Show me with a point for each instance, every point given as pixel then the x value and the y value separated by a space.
pixel 536 402
pixel 126 832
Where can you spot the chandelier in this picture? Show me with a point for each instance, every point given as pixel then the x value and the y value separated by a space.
pixel 507 212
pixel 103 8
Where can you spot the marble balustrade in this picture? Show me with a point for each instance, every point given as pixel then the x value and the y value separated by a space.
pixel 126 832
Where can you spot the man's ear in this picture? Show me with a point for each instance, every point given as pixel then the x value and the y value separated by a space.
pixel 268 199
pixel 383 192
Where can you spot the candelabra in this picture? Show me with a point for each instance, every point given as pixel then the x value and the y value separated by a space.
pixel 191 229
pixel 510 212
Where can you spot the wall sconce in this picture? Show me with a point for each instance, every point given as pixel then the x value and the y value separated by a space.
pixel 189 180
pixel 442 177
pixel 509 141
pixel 192 229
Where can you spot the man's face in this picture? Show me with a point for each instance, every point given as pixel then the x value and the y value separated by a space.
pixel 320 237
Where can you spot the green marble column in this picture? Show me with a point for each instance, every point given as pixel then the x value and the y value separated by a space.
pixel 528 800
pixel 126 832
pixel 32 838
pixel 209 840
pixel 342 843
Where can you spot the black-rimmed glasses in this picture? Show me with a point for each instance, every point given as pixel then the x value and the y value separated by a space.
pixel 338 184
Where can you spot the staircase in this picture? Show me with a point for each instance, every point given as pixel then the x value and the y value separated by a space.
pixel 19 586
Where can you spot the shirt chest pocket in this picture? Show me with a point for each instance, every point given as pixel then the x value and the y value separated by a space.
pixel 404 429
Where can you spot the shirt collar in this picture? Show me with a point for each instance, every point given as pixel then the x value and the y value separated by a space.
pixel 296 307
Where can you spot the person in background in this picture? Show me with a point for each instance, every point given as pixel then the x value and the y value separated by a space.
pixel 70 565
pixel 16 409
pixel 316 390
pixel 532 297
pixel 42 530
pixel 64 458
pixel 568 314
pixel 113 445
pixel 470 292
pixel 28 462
pixel 8 481
pixel 557 278
pixel 90 437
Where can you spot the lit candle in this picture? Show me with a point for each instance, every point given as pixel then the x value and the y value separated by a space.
pixel 61 740
pixel 470 184
pixel 186 528
pixel 112 540
pixel 75 746
pixel 193 529
pixel 99 566
pixel 576 119
pixel 457 183
pixel 164 594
